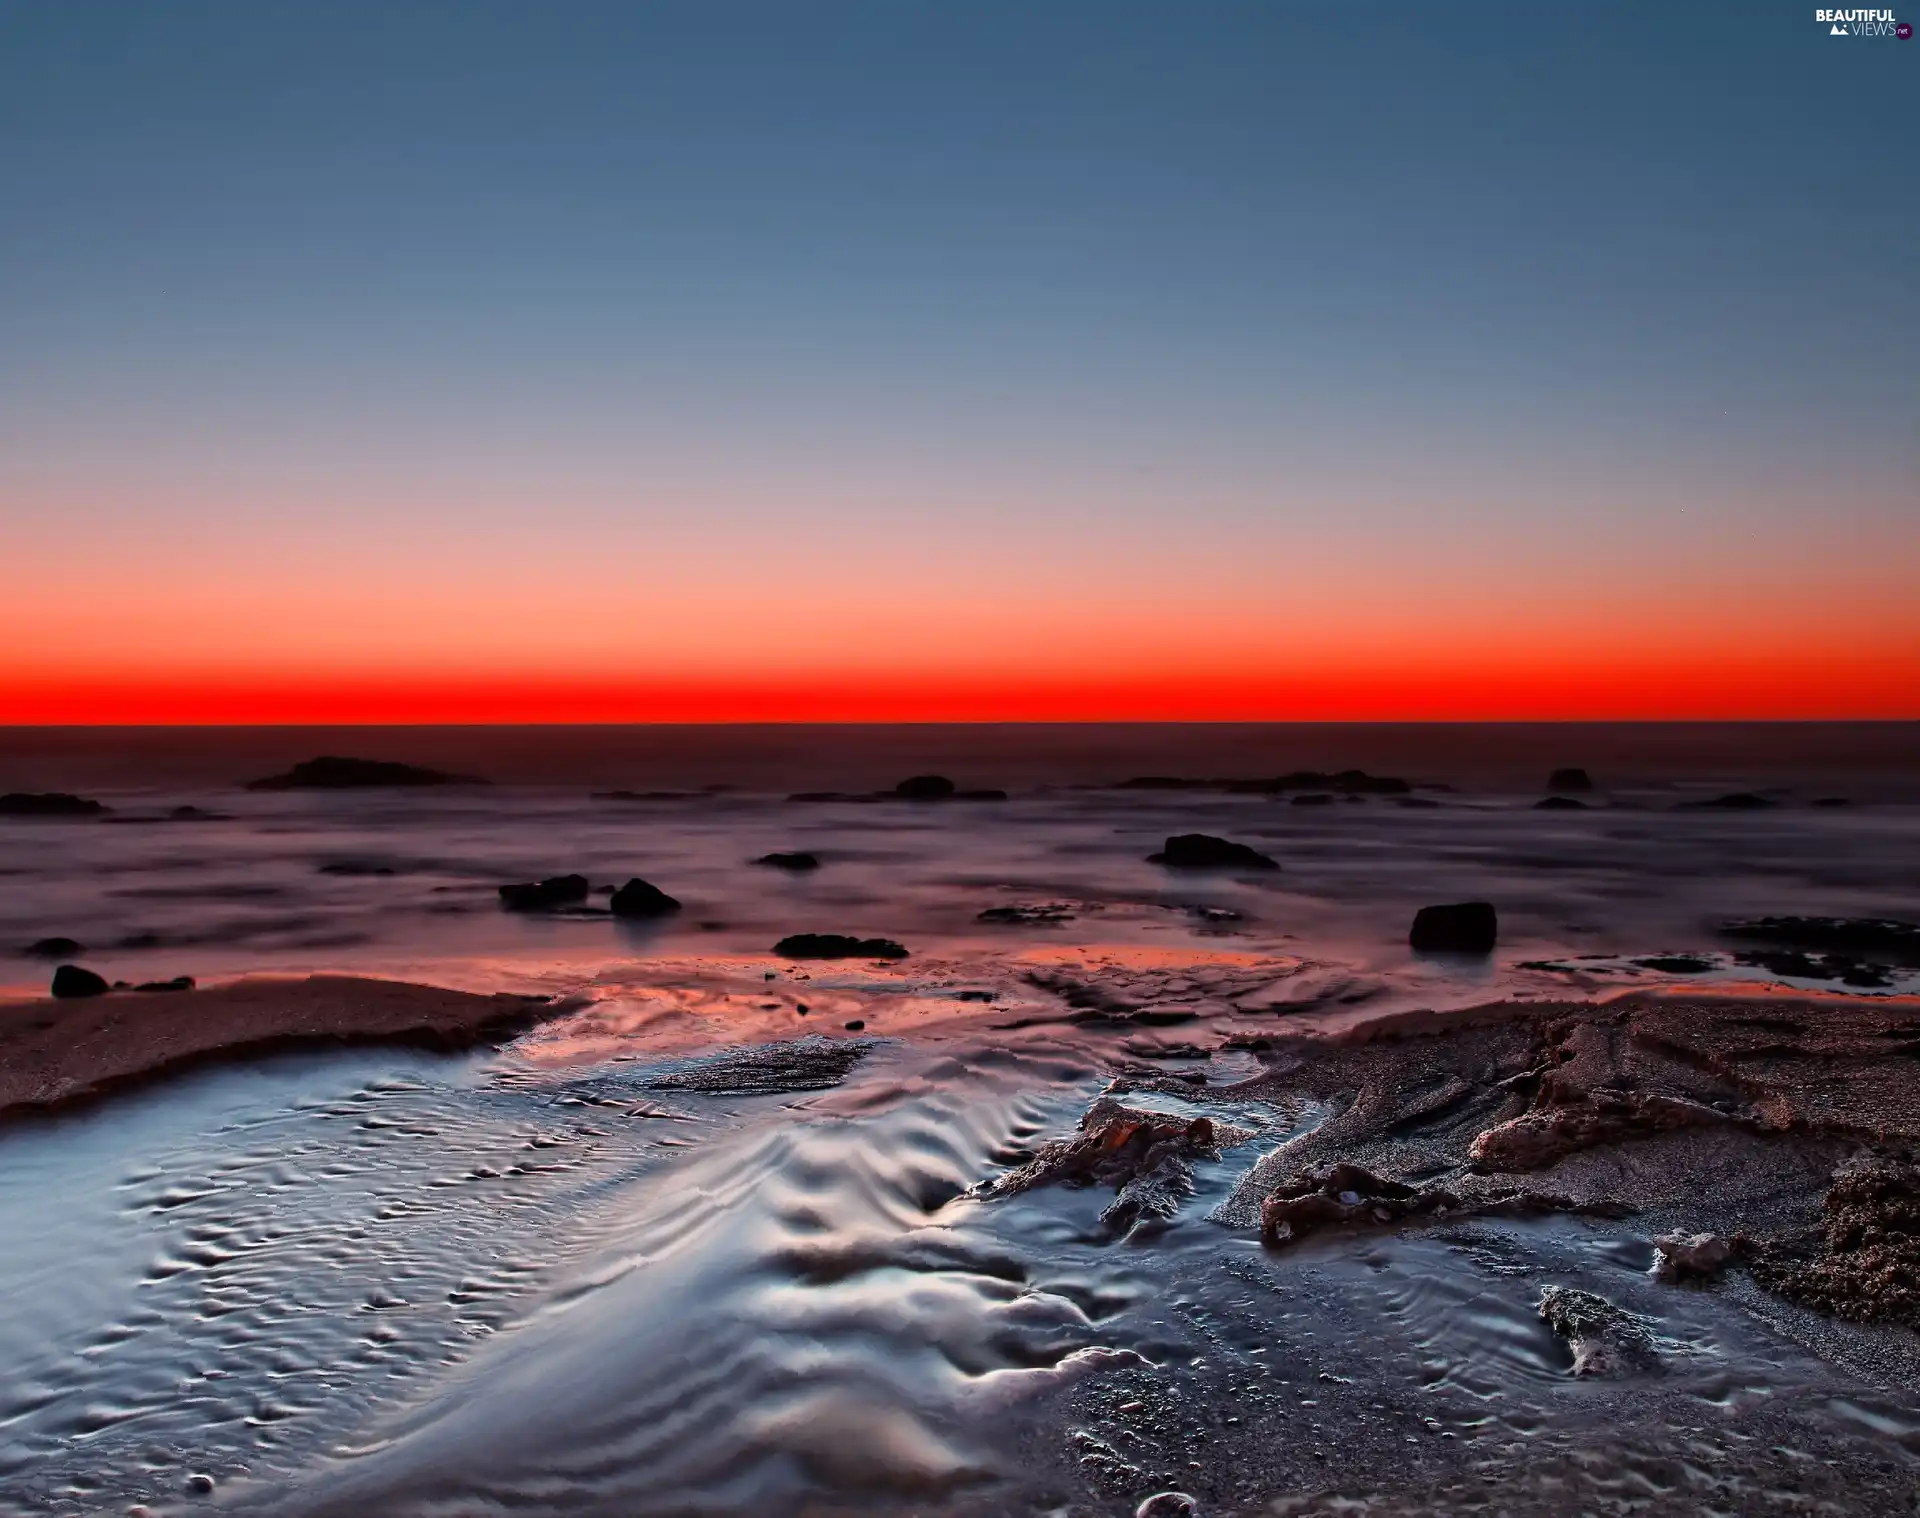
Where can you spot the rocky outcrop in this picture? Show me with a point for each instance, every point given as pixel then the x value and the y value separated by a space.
pixel 1862 1261
pixel 547 895
pixel 71 981
pixel 1467 927
pixel 1606 1340
pixel 1570 781
pixel 1542 1137
pixel 49 804
pixel 641 900
pixel 54 948
pixel 1341 782
pixel 1559 804
pixel 331 772
pixel 1026 916
pixel 795 862
pixel 837 946
pixel 1202 851
pixel 1888 937
pixel 1735 801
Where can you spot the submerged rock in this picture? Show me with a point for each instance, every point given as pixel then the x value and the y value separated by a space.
pixel 1860 934
pixel 1605 1340
pixel 837 946
pixel 1345 1193
pixel 798 862
pixel 803 1064
pixel 1736 801
pixel 332 772
pixel 72 981
pixel 54 948
pixel 1467 927
pixel 1202 851
pixel 1571 779
pixel 544 895
pixel 1843 968
pixel 1026 915
pixel 1559 804
pixel 49 804
pixel 641 899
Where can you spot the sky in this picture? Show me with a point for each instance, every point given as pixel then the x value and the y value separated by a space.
pixel 473 361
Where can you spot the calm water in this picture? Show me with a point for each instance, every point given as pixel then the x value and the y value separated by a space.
pixel 533 1281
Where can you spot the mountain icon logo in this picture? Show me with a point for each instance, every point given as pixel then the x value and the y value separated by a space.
pixel 1838 30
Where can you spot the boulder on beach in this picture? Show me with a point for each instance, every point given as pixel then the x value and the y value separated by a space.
pixel 1466 927
pixel 71 981
pixel 54 948
pixel 1202 851
pixel 642 899
pixel 796 861
pixel 837 946
pixel 1569 780
pixel 544 895
pixel 331 772
pixel 48 804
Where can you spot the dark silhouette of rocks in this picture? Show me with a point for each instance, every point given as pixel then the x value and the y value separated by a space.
pixel 1467 927
pixel 925 788
pixel 641 899
pixel 194 814
pixel 1831 801
pixel 544 895
pixel 1020 916
pixel 1802 965
pixel 54 948
pixel 330 772
pixel 356 869
pixel 1865 935
pixel 178 983
pixel 837 946
pixel 913 788
pixel 1559 804
pixel 1736 801
pixel 798 862
pixel 1316 798
pixel 49 804
pixel 1569 780
pixel 72 981
pixel 1202 851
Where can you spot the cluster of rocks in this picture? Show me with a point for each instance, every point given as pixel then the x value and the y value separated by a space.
pixel 72 982
pixel 334 772
pixel 49 804
pixel 1202 851
pixel 1341 783
pixel 913 788
pixel 638 899
pixel 837 946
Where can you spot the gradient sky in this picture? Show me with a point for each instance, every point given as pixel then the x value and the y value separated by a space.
pixel 568 361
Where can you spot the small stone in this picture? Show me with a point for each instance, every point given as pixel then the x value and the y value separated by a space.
pixel 1682 1256
pixel 200 1484
pixel 1168 1505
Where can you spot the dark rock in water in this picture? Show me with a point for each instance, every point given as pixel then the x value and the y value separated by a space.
pixel 1736 801
pixel 1316 798
pixel 1690 1256
pixel 330 772
pixel 1569 780
pixel 857 1025
pixel 1559 804
pixel 48 804
pixel 799 862
pixel 195 814
pixel 1873 935
pixel 1202 851
pixel 641 899
pixel 1423 803
pixel 1605 1340
pixel 804 1064
pixel 837 946
pixel 355 868
pixel 1343 782
pixel 71 980
pixel 1831 801
pixel 1676 964
pixel 1467 927
pixel 1798 963
pixel 980 795
pixel 1018 916
pixel 925 788
pixel 54 948
pixel 178 983
pixel 544 895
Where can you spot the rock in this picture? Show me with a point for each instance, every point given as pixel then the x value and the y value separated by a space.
pixel 1831 967
pixel 797 862
pixel 1467 927
pixel 1344 1193
pixel 355 868
pixel 54 948
pixel 1559 804
pixel 544 895
pixel 1862 1262
pixel 1343 782
pixel 1315 798
pixel 72 981
pixel 178 983
pixel 1882 935
pixel 1022 916
pixel 1831 801
pixel 837 946
pixel 924 788
pixel 1555 1128
pixel 642 900
pixel 330 772
pixel 1201 851
pixel 1737 801
pixel 1683 1256
pixel 195 814
pixel 1168 1505
pixel 48 804
pixel 1569 780
pixel 857 1025
pixel 1605 1340
pixel 801 1064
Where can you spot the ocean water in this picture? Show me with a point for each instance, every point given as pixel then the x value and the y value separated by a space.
pixel 576 1275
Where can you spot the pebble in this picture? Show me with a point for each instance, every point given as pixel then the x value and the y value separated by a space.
pixel 1168 1505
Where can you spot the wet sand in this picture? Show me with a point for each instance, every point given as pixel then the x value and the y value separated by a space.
pixel 58 1051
